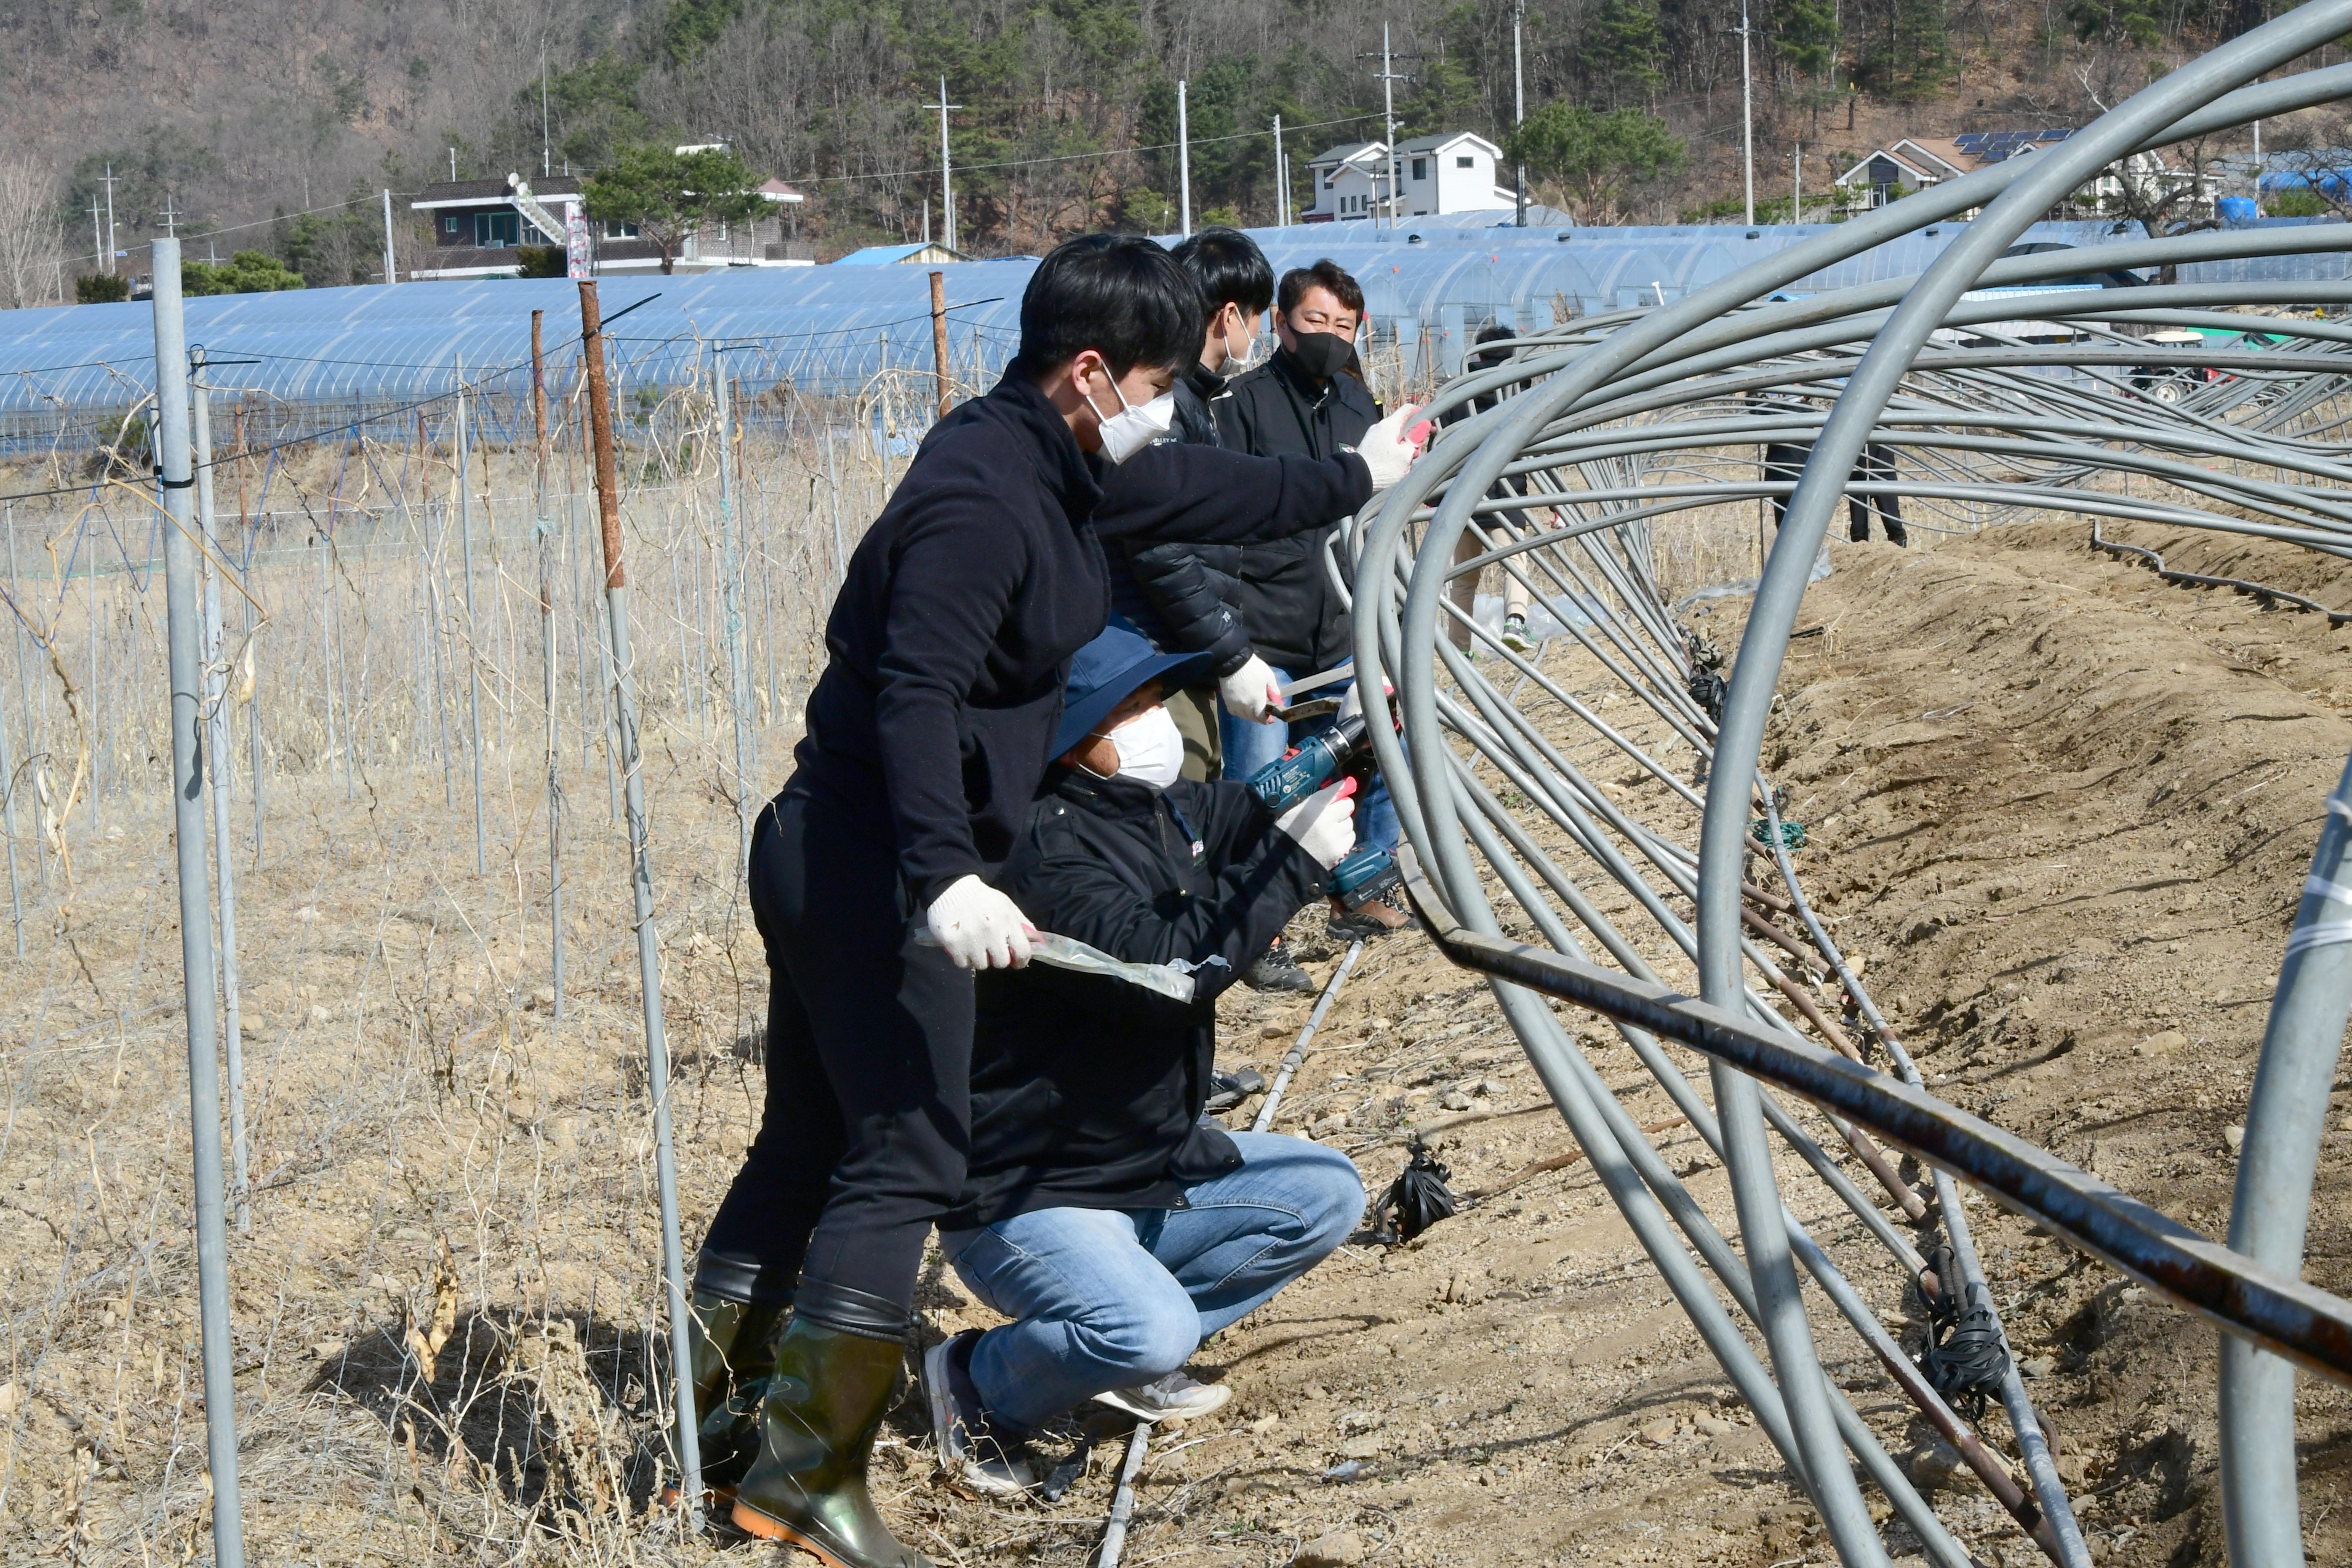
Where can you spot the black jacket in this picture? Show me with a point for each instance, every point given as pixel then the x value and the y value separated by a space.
pixel 1086 1093
pixel 953 630
pixel 1289 608
pixel 1186 597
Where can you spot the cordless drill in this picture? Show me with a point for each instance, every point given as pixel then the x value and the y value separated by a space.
pixel 1344 751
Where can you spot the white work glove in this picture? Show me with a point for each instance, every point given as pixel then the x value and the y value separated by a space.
pixel 1251 694
pixel 979 927
pixel 1388 450
pixel 1323 823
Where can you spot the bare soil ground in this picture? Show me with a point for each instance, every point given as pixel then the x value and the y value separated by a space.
pixel 2062 808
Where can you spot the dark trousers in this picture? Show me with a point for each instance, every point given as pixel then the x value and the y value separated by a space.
pixel 1785 461
pixel 868 1125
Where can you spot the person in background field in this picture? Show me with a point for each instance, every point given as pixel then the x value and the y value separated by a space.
pixel 927 737
pixel 1103 1212
pixel 1784 461
pixel 1492 532
pixel 1186 595
pixel 1309 400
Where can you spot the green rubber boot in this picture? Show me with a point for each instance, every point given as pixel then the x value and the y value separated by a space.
pixel 733 1344
pixel 824 1403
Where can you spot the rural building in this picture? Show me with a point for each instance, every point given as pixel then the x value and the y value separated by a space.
pixel 478 223
pixel 1451 172
pixel 929 252
pixel 1914 163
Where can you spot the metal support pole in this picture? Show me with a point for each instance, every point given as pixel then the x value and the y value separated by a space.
pixel 186 630
pixel 547 556
pixel 389 276
pixel 1296 1056
pixel 1122 1501
pixel 641 881
pixel 217 746
pixel 2285 1120
pixel 940 367
pixel 731 588
pixel 1183 161
pixel 473 651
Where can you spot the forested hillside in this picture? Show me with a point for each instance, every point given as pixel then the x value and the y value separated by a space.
pixel 253 121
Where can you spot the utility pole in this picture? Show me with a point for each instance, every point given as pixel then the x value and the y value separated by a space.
pixel 1388 79
pixel 1746 115
pixel 546 158
pixel 453 167
pixel 947 185
pixel 1281 180
pixel 1796 195
pixel 110 219
pixel 1519 102
pixel 1183 161
pixel 97 239
pixel 170 226
pixel 388 275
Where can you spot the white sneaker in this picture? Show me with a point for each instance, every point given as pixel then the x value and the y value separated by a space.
pixel 1176 1398
pixel 977 1460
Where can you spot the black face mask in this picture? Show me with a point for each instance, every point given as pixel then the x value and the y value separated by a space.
pixel 1321 355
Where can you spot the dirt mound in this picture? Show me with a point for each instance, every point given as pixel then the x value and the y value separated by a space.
pixel 2064 810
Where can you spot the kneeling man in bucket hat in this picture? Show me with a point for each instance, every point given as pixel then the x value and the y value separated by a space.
pixel 1104 1210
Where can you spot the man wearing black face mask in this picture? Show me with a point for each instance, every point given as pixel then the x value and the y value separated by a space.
pixel 1309 400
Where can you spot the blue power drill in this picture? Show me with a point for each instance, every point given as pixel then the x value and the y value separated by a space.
pixel 1342 751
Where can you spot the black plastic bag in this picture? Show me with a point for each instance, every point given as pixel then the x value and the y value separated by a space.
pixel 1966 1358
pixel 1416 1200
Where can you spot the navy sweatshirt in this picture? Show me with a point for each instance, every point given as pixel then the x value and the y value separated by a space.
pixel 952 634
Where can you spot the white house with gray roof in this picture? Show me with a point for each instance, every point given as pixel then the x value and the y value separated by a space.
pixel 1450 171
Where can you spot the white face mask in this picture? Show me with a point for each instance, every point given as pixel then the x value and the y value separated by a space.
pixel 1235 362
pixel 1131 429
pixel 1151 748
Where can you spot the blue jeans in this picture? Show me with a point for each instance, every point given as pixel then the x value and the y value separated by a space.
pixel 1250 747
pixel 1110 1297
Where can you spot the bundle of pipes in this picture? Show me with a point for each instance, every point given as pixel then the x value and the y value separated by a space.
pixel 1593 432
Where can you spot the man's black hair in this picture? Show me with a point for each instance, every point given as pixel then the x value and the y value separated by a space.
pixel 1119 294
pixel 1324 274
pixel 1493 331
pixel 1230 269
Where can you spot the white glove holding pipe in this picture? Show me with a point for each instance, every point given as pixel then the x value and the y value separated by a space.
pixel 1389 447
pixel 979 927
pixel 1323 823
pixel 1251 694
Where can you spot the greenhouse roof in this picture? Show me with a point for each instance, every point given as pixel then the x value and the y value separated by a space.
pixel 347 353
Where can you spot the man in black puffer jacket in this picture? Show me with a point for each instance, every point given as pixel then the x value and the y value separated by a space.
pixel 1186 597
pixel 1101 1210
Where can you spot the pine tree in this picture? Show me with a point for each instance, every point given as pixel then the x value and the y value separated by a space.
pixel 1624 49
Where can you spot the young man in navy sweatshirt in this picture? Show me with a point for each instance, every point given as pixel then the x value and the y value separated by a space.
pixel 1102 1210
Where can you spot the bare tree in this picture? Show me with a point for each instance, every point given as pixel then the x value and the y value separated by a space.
pixel 31 249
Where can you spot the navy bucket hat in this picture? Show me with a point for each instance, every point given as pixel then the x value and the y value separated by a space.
pixel 1105 671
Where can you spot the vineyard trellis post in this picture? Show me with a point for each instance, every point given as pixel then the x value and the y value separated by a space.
pixel 472 648
pixel 547 551
pixel 731 586
pixel 216 759
pixel 184 629
pixel 7 759
pixel 940 367
pixel 657 1078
